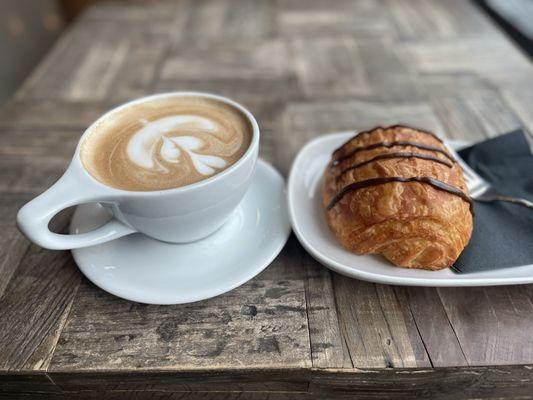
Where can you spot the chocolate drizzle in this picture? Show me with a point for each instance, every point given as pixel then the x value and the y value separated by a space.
pixel 385 129
pixel 406 154
pixel 388 145
pixel 437 184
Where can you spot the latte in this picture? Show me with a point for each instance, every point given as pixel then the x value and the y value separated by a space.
pixel 165 142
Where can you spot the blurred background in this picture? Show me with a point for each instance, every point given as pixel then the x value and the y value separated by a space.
pixel 28 28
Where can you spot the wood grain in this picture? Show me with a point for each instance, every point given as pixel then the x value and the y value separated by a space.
pixel 13 245
pixel 262 323
pixel 329 66
pixel 492 324
pixel 227 20
pixel 328 346
pixel 458 383
pixel 29 385
pixel 435 329
pixel 243 70
pixel 521 101
pixel 476 55
pixel 235 380
pixel 364 18
pixel 391 340
pixel 34 308
pixel 480 111
pixel 453 18
pixel 31 161
pixel 104 59
pixel 40 115
pixel 304 68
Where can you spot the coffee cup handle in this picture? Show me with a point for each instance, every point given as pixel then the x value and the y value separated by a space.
pixel 34 217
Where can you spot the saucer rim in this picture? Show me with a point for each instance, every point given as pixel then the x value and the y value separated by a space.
pixel 145 298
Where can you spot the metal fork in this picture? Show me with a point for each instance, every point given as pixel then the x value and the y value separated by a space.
pixel 481 190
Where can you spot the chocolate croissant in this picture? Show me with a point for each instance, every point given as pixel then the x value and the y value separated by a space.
pixel 397 191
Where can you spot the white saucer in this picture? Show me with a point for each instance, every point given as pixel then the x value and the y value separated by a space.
pixel 309 225
pixel 145 270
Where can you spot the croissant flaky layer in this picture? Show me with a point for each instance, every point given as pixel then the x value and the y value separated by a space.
pixel 398 192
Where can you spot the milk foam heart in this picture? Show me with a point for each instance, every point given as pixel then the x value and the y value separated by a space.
pixel 165 143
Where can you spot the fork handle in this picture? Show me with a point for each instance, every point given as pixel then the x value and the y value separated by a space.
pixel 508 199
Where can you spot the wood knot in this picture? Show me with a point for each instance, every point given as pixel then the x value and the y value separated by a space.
pixel 249 310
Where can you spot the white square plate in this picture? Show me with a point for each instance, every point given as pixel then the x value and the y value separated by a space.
pixel 309 224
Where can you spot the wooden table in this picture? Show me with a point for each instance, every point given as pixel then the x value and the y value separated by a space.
pixel 297 330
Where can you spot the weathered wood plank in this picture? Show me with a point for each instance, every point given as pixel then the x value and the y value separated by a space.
pixel 227 20
pixel 99 66
pixel 31 176
pixel 13 245
pixel 262 323
pixel 433 325
pixel 328 347
pixel 443 19
pixel 267 60
pixel 44 144
pixel 329 66
pixel 474 114
pixel 244 71
pixel 520 100
pixel 34 308
pixel 26 385
pixel 514 382
pixel 138 70
pixel 164 395
pixel 36 302
pixel 378 328
pixel 103 59
pixel 492 324
pixel 492 58
pixel 337 66
pixel 389 75
pixel 43 115
pixel 201 380
pixel 363 18
pixel 121 62
pixel 459 383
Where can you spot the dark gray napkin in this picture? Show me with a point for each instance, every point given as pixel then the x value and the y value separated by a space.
pixel 503 232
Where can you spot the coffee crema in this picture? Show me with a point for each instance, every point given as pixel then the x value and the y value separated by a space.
pixel 165 142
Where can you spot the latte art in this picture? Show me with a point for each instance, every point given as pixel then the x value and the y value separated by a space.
pixel 166 143
pixel 204 164
pixel 143 146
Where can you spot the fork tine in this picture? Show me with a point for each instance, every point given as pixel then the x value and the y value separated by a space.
pixel 475 183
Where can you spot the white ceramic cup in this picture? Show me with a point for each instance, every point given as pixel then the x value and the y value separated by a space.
pixel 179 215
